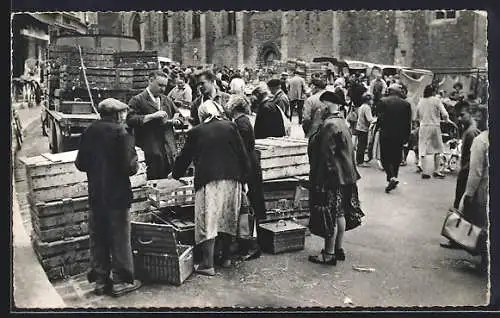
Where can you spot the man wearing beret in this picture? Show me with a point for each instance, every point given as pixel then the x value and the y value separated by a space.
pixel 107 154
pixel 153 117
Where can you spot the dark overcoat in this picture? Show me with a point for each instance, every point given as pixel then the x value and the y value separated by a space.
pixel 107 154
pixel 153 137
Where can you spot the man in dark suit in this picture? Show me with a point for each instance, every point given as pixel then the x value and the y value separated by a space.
pixel 394 122
pixel 107 154
pixel 153 117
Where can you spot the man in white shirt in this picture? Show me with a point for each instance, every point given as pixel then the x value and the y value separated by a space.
pixel 181 94
pixel 237 85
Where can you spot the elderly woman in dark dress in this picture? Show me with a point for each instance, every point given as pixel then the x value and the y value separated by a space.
pixel 333 177
pixel 239 110
pixel 221 170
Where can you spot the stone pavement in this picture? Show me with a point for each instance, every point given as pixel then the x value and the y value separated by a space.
pixel 31 287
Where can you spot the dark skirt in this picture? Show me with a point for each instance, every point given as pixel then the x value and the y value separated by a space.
pixel 330 204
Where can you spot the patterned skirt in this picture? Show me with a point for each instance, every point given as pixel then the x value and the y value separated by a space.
pixel 330 204
pixel 216 209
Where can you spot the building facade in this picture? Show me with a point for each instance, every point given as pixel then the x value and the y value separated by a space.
pixel 31 33
pixel 422 39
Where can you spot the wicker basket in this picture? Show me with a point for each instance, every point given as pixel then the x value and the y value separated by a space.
pixel 282 236
pixel 157 255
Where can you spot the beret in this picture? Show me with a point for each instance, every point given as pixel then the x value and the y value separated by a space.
pixel 330 97
pixel 274 83
pixel 111 105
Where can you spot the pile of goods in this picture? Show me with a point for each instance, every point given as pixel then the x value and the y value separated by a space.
pixel 59 207
pixel 109 73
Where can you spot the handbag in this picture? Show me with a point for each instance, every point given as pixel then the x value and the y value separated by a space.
pixel 460 231
pixel 245 219
pixel 353 219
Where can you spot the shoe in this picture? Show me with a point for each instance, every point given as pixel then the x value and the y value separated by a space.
pixel 252 254
pixel 438 175
pixel 205 271
pixel 120 289
pixel 340 255
pixel 450 245
pixel 322 259
pixel 102 289
pixel 391 186
pixel 426 176
pixel 419 169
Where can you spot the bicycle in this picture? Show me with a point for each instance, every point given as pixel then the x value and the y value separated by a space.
pixel 18 130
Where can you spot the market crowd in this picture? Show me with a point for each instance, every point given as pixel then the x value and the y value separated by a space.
pixel 349 120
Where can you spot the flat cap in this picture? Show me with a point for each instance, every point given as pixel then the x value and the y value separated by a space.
pixel 111 105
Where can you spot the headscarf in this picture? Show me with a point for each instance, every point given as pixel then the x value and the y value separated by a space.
pixel 208 111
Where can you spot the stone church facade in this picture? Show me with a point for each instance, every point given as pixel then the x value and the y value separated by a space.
pixel 422 39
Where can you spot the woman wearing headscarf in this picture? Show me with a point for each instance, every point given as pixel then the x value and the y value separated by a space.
pixel 333 176
pixel 221 166
pixel 239 110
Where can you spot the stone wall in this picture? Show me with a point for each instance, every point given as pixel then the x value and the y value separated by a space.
pixel 367 36
pixel 309 34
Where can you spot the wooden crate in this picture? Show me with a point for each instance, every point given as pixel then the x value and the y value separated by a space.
pixel 74 107
pixel 69 217
pixel 157 255
pixel 52 177
pixel 63 258
pixel 283 157
pixel 171 193
pixel 184 230
pixel 282 236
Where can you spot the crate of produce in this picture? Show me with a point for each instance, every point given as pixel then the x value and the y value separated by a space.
pixel 281 236
pixel 171 192
pixel 64 258
pixel 52 177
pixel 283 157
pixel 158 256
pixel 68 217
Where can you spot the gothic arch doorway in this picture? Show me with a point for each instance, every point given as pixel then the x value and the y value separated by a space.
pixel 136 27
pixel 268 54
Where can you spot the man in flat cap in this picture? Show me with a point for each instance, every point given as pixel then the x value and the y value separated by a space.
pixel 153 117
pixel 394 122
pixel 107 154
pixel 313 108
pixel 280 98
pixel 269 121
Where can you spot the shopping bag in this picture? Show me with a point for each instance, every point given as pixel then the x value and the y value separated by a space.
pixel 245 219
pixel 458 230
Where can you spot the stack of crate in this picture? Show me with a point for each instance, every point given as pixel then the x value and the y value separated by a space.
pixel 59 206
pixel 315 68
pixel 283 157
pixel 142 63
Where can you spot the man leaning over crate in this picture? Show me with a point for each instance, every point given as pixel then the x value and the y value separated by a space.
pixel 107 154
pixel 153 117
